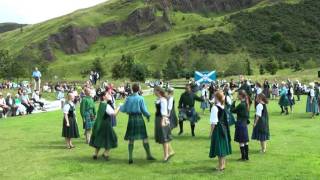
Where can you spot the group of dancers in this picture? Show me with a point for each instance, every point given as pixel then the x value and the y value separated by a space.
pixel 99 124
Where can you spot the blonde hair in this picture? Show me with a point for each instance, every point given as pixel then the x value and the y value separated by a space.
pixel 220 97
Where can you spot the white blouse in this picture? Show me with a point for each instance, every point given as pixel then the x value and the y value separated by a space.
pixel 109 110
pixel 170 103
pixel 67 107
pixel 164 106
pixel 312 92
pixel 259 110
pixel 214 114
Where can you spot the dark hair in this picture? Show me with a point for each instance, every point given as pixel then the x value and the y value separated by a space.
pixel 160 91
pixel 244 95
pixel 263 98
pixel 135 87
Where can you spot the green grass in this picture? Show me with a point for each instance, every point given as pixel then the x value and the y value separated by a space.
pixel 32 148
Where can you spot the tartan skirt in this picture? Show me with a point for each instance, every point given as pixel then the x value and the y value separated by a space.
pixel 161 134
pixel 192 116
pixel 136 128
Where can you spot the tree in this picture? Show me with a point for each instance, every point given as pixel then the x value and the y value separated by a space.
pixel 249 69
pixel 271 66
pixel 138 72
pixel 261 69
pixel 97 66
pixel 171 70
pixel 123 68
pixel 157 74
pixel 297 66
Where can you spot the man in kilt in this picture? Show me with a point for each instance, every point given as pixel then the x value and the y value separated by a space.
pixel 186 109
pixel 136 108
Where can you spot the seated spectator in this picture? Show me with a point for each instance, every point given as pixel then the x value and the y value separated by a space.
pixel 4 108
pixel 27 103
pixel 10 102
pixel 21 110
pixel 46 88
pixel 36 99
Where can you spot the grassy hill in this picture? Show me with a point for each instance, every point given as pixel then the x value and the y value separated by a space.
pixel 5 27
pixel 209 37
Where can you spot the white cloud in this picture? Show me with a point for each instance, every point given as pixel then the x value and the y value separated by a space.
pixel 35 11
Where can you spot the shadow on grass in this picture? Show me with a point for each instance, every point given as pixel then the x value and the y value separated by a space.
pixel 190 138
pixel 112 161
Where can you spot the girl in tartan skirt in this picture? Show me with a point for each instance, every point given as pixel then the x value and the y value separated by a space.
pixel 69 127
pixel 261 123
pixel 241 132
pixel 162 124
pixel 220 132
pixel 103 135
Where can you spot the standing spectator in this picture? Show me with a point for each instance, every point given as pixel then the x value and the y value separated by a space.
pixel 36 75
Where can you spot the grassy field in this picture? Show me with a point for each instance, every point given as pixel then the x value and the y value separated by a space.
pixel 32 148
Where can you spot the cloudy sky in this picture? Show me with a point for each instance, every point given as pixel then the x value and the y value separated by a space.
pixel 35 11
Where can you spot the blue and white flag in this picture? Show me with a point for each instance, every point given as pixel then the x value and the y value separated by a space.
pixel 205 77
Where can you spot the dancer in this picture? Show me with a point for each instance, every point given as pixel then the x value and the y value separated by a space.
pixel 70 126
pixel 284 100
pixel 135 107
pixel 241 132
pixel 205 97
pixel 186 109
pixel 220 132
pixel 275 90
pixel 171 108
pixel 88 113
pixel 261 123
pixel 291 96
pixel 266 88
pixel 162 124
pixel 312 101
pixel 103 135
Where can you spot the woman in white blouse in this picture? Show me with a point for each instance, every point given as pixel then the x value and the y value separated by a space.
pixel 103 135
pixel 162 124
pixel 220 132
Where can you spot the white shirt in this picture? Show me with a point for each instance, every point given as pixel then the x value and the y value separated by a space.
pixel 259 110
pixel 2 101
pixel 67 107
pixel 229 100
pixel 214 114
pixel 109 110
pixel 164 106
pixel 35 97
pixel 312 92
pixel 204 93
pixel 259 90
pixel 170 103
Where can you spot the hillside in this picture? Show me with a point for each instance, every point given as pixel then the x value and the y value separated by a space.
pixel 5 27
pixel 210 34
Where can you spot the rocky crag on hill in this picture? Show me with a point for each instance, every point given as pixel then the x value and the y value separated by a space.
pixel 142 21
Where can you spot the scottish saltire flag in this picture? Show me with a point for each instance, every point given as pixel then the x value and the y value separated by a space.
pixel 205 77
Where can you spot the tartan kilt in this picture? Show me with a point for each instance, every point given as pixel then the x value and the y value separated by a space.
pixel 136 128
pixel 193 118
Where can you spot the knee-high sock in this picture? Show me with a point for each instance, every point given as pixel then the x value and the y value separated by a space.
pixel 282 110
pixel 181 126
pixel 192 128
pixel 246 148
pixel 147 148
pixel 130 148
pixel 242 150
